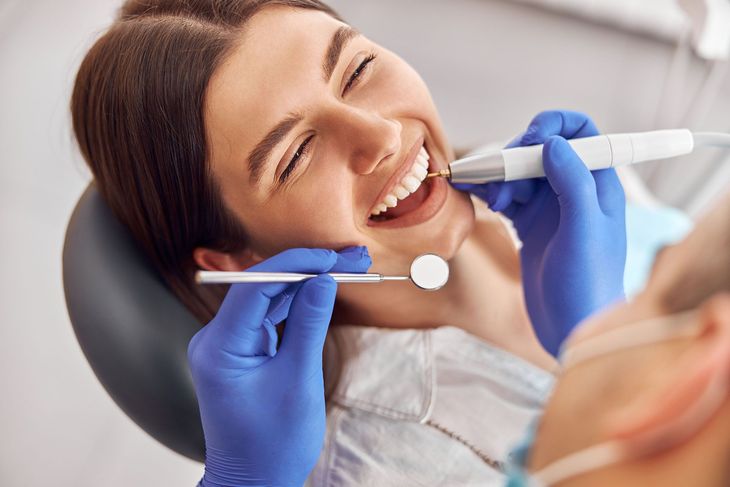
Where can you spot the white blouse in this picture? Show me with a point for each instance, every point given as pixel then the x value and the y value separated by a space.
pixel 423 407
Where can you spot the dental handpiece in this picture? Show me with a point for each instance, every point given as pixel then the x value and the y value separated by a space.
pixel 598 152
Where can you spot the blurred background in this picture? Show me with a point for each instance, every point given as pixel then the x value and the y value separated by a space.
pixel 491 64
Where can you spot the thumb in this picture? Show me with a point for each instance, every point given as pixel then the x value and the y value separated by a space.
pixel 501 196
pixel 306 327
pixel 496 195
pixel 569 177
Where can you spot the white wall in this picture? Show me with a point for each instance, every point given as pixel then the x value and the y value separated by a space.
pixel 58 425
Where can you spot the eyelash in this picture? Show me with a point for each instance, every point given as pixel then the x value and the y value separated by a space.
pixel 301 152
pixel 356 74
pixel 303 148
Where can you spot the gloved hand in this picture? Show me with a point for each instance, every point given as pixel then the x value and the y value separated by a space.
pixel 263 409
pixel 572 226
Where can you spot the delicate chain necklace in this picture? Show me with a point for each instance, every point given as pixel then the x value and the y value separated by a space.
pixel 495 464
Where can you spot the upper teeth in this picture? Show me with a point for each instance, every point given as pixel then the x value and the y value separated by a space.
pixel 407 186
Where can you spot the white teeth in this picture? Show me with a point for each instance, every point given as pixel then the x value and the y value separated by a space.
pixel 401 193
pixel 420 172
pixel 409 185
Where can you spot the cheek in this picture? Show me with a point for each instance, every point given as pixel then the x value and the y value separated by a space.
pixel 405 93
pixel 447 232
pixel 321 219
pixel 458 226
pixel 399 87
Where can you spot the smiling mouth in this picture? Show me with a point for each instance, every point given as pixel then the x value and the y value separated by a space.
pixel 406 195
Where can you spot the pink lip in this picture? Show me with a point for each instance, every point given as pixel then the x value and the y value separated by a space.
pixel 438 191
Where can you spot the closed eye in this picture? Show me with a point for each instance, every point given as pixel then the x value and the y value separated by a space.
pixel 358 72
pixel 301 152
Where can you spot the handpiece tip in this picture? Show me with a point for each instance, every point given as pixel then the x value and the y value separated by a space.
pixel 444 173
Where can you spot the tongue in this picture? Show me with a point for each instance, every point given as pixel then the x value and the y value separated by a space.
pixel 409 204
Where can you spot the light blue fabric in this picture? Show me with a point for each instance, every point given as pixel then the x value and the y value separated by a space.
pixel 516 468
pixel 647 231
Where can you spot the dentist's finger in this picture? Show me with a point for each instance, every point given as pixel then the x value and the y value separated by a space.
pixel 569 178
pixel 353 260
pixel 516 141
pixel 567 124
pixel 611 196
pixel 245 305
pixel 500 196
pixel 306 327
pixel 349 260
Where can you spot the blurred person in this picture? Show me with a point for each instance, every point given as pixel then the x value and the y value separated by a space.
pixel 643 399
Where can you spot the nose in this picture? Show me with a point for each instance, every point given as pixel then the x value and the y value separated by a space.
pixel 370 138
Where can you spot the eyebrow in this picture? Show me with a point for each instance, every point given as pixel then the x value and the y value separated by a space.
pixel 261 153
pixel 343 35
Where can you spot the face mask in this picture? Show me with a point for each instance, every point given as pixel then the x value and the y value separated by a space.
pixel 635 335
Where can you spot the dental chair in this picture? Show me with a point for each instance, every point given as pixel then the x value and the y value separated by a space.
pixel 131 328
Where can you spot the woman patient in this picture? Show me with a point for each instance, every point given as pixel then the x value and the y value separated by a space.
pixel 224 132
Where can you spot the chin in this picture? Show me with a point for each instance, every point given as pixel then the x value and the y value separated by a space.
pixel 453 226
pixel 445 233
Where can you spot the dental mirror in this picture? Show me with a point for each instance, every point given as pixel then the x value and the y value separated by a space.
pixel 428 272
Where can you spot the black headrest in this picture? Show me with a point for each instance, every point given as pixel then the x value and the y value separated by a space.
pixel 132 329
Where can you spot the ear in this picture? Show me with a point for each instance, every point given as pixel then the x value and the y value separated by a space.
pixel 214 260
pixel 699 388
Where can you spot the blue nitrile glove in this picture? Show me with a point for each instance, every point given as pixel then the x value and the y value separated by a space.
pixel 572 226
pixel 263 409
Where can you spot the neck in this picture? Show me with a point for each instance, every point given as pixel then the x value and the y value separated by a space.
pixel 483 296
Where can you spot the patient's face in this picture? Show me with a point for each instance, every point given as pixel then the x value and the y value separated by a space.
pixel 350 136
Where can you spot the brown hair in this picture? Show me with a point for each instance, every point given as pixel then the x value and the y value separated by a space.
pixel 138 105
